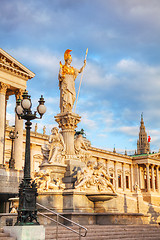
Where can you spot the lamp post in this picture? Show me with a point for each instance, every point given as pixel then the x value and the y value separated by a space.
pixel 12 136
pixel 27 212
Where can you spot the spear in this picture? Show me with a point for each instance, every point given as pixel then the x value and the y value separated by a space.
pixel 80 83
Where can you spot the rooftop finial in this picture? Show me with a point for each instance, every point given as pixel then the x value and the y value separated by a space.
pixel 142 115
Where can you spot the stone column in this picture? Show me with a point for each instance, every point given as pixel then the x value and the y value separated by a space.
pixel 157 178
pixel 153 178
pixel 68 122
pixel 136 174
pixel 139 175
pixel 148 178
pixel 123 176
pixel 107 165
pixel 7 97
pixel 115 175
pixel 131 170
pixel 18 142
pixel 3 89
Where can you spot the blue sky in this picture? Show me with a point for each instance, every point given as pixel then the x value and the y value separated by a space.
pixel 122 76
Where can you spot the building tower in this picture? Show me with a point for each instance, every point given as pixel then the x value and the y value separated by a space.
pixel 143 146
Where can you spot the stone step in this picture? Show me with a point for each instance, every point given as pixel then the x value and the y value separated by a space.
pixel 7 238
pixel 112 232
pixel 111 227
pixel 4 234
pixel 109 231
pixel 102 236
pixel 114 238
pixel 118 238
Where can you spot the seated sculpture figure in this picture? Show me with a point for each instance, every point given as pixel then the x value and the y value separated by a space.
pixel 55 150
pixel 81 148
pixel 79 144
pixel 57 146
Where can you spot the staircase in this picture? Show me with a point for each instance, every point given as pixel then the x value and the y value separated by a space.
pixel 116 232
pixel 5 236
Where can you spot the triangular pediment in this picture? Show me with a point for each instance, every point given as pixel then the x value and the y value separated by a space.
pixel 8 63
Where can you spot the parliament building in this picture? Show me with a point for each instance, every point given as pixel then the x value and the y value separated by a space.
pixel 136 178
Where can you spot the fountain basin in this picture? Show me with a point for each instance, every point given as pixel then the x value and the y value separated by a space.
pixel 99 197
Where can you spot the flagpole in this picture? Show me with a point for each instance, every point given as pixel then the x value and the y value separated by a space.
pixel 80 83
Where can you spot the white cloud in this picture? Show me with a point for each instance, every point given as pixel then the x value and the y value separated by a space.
pixel 129 130
pixel 11 118
pixel 88 122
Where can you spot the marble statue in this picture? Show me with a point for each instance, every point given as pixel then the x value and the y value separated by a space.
pixel 57 146
pixel 45 183
pixel 79 144
pixel 81 148
pixel 85 177
pixel 54 152
pixel 94 178
pixel 67 76
pixel 35 129
pixel 102 178
pixel 44 130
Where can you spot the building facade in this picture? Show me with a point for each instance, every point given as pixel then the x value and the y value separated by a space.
pixel 133 177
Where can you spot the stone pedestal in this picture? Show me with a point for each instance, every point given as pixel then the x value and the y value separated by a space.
pixel 52 200
pixel 140 202
pixel 76 201
pixel 68 122
pixel 73 165
pixel 26 232
pixel 56 170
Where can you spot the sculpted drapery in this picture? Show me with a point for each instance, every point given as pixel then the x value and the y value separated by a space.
pixel 67 76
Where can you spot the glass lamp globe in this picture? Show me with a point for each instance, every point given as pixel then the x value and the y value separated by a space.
pixel 19 110
pixel 11 134
pixel 41 109
pixel 26 103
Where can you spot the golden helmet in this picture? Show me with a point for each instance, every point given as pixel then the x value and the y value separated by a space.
pixel 67 54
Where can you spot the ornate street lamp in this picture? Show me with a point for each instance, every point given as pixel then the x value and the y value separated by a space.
pixel 27 212
pixel 12 136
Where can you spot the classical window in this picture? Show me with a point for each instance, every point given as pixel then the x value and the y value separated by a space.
pixel 127 181
pixel 119 180
pixel 111 179
pixel 111 173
